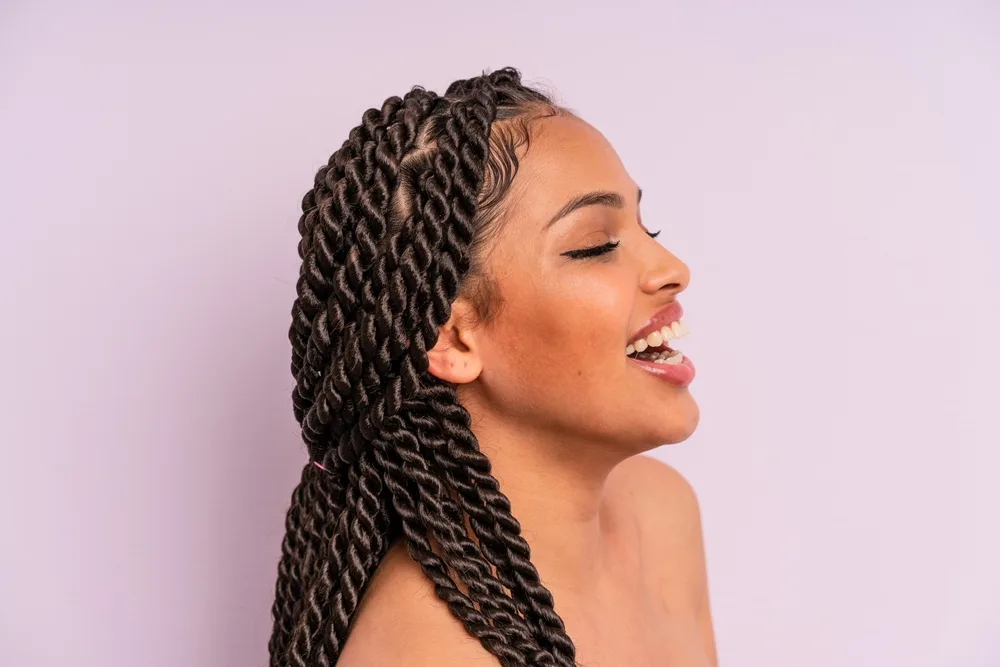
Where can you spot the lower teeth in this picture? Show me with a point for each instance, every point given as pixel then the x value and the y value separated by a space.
pixel 671 357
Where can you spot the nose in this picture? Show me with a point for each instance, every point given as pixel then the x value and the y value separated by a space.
pixel 664 272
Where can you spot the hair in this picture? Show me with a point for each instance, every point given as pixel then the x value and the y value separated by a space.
pixel 393 231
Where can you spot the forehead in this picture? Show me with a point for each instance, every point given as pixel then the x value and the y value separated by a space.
pixel 566 157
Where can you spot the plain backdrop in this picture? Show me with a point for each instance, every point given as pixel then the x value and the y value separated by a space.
pixel 828 170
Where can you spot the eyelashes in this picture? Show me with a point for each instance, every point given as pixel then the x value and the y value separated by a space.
pixel 584 253
pixel 597 251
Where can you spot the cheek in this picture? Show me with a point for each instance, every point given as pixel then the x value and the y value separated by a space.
pixel 560 336
pixel 585 314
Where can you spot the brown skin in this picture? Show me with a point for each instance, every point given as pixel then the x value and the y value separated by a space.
pixel 563 415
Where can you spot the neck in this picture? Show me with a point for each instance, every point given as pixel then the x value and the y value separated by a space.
pixel 556 488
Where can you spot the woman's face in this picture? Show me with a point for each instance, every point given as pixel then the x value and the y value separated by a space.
pixel 554 358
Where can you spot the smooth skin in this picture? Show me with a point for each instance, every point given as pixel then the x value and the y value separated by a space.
pixel 564 417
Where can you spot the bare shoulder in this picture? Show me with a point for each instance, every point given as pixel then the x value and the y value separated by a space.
pixel 669 520
pixel 656 490
pixel 670 536
pixel 401 621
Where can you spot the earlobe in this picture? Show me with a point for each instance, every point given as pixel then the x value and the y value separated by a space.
pixel 454 358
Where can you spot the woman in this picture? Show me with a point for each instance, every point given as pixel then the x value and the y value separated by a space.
pixel 481 333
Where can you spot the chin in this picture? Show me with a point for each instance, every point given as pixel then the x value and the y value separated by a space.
pixel 679 422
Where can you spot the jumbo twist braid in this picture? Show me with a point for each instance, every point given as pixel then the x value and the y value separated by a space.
pixel 511 652
pixel 435 508
pixel 325 241
pixel 443 520
pixel 377 280
pixel 359 543
pixel 445 425
pixel 351 366
pixel 463 164
pixel 288 586
pixel 338 231
pixel 352 372
pixel 453 185
pixel 308 529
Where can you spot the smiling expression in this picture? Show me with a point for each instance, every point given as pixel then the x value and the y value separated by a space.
pixel 579 275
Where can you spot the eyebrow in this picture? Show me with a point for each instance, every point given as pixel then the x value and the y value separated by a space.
pixel 596 198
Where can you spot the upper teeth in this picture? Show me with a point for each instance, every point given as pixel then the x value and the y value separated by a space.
pixel 658 338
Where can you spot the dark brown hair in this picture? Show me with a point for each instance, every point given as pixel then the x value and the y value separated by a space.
pixel 393 231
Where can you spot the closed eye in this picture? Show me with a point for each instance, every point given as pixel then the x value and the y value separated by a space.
pixel 603 249
pixel 596 251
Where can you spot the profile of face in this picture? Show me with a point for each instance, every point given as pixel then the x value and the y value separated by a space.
pixel 553 362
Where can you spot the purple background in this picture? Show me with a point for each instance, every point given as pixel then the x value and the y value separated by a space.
pixel 828 170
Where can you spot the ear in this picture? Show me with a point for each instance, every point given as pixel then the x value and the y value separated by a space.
pixel 455 357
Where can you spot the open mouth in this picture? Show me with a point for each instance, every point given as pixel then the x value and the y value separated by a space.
pixel 654 346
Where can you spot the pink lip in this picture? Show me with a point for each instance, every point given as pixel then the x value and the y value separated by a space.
pixel 681 374
pixel 670 313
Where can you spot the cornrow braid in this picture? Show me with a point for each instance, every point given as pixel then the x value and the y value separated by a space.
pixel 390 237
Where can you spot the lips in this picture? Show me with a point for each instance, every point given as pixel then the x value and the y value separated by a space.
pixel 666 315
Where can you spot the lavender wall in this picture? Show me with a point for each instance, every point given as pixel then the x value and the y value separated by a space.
pixel 828 170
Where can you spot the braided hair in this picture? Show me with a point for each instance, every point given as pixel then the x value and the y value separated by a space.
pixel 392 233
